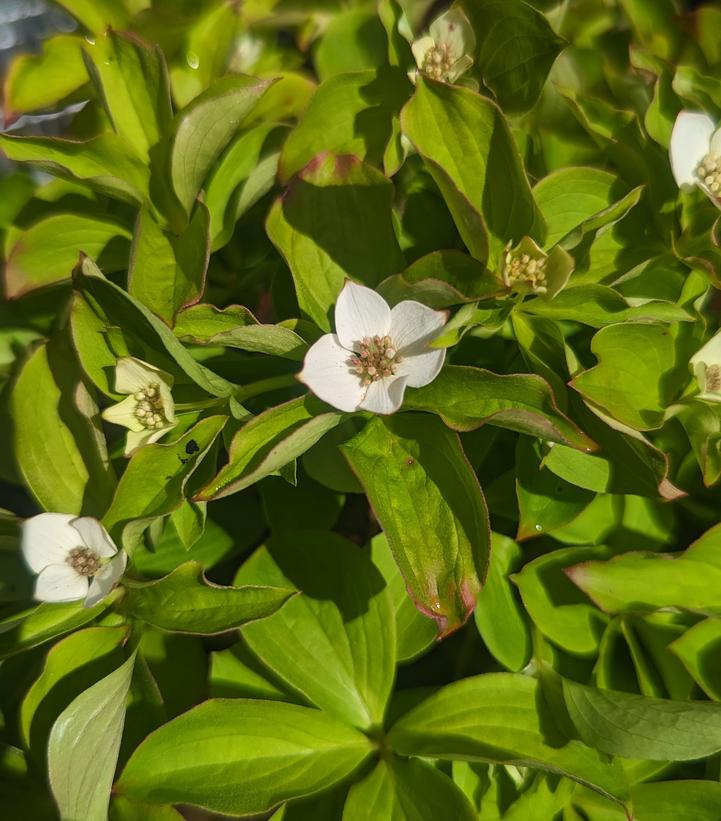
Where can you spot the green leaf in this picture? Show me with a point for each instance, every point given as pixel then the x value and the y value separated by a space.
pixel 333 222
pixel 702 423
pixel 115 308
pixel 501 717
pixel 407 788
pixel 500 617
pixel 335 643
pixel 123 810
pixel 184 602
pixel 47 252
pixel 132 83
pixel 441 279
pixel 46 622
pixel 98 15
pixel 671 800
pixel 354 40
pixel 578 201
pixel 698 650
pixel 431 508
pixel 626 462
pixel 237 673
pixel 72 665
pixel 84 744
pixel 36 81
pixel 599 305
pixel 104 163
pixel 59 446
pixel 270 441
pixel 414 632
pixel 556 606
pixel 515 49
pixel 244 174
pixel 205 127
pixel 633 726
pixel 242 757
pixel 466 136
pixel 167 271
pixel 466 398
pixel 651 581
pixel 545 501
pixel 349 114
pixel 154 481
pixel 634 380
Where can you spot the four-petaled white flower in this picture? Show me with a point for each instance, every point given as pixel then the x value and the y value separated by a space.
pixel 695 153
pixel 149 410
pixel 706 365
pixel 375 352
pixel 74 558
pixel 445 52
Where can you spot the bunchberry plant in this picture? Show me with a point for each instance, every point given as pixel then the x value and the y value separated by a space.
pixel 360 404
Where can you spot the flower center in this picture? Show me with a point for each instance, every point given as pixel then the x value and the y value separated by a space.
pixel 437 62
pixel 708 172
pixel 526 269
pixel 713 378
pixel 149 411
pixel 376 359
pixel 84 561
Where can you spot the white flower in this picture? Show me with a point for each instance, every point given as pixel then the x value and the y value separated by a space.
pixel 149 410
pixel 445 52
pixel 706 365
pixel 67 552
pixel 695 153
pixel 375 352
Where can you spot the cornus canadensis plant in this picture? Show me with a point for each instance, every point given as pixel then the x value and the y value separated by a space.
pixel 73 556
pixel 352 342
pixel 375 352
pixel 149 410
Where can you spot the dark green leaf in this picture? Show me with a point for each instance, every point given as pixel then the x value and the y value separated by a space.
pixel 333 222
pixel 184 602
pixel 269 442
pixel 467 398
pixel 167 271
pixel 633 726
pixel 431 508
pixel 335 643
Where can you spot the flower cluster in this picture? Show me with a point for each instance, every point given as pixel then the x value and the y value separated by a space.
pixel 445 52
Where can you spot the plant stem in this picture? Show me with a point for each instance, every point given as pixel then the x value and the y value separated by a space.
pixel 265 386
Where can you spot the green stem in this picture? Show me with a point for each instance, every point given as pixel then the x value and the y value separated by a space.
pixel 273 383
pixel 265 386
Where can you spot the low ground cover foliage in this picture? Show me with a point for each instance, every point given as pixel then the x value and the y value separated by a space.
pixel 360 400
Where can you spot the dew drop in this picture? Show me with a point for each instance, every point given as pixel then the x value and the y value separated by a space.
pixel 539 528
pixel 436 605
pixel 192 59
pixel 90 39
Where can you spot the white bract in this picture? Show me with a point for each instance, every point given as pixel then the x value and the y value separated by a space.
pixel 695 153
pixel 74 558
pixel 375 352
pixel 445 52
pixel 149 410
pixel 706 365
